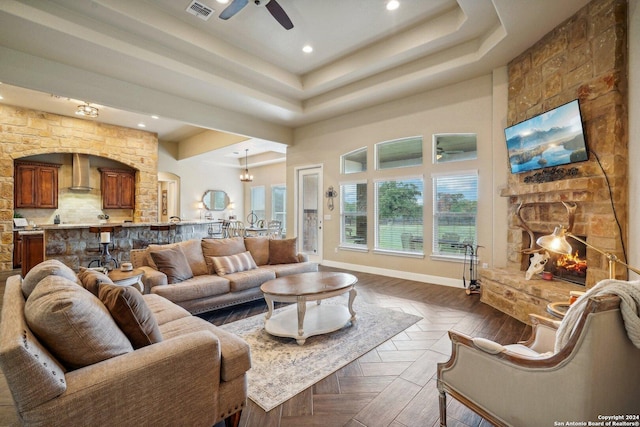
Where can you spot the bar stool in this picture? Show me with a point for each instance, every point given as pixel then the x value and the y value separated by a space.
pixel 165 231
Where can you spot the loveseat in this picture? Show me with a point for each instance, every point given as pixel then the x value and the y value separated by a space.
pixel 208 274
pixel 72 358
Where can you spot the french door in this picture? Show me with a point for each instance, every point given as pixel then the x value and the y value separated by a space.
pixel 309 212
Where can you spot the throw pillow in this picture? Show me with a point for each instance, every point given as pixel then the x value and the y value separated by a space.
pixel 131 313
pixel 233 263
pixel 155 248
pixel 91 279
pixel 50 267
pixel 221 247
pixel 259 248
pixel 283 251
pixel 173 263
pixel 193 251
pixel 73 324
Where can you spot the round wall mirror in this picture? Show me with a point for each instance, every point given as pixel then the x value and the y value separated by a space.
pixel 215 200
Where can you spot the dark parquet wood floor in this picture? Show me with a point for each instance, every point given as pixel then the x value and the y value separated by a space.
pixel 393 385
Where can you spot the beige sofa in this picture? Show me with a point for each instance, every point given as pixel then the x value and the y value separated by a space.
pixel 71 358
pixel 208 274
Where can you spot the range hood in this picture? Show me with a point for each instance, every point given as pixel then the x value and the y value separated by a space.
pixel 80 177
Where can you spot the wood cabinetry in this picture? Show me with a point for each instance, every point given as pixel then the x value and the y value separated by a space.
pixel 118 188
pixel 17 249
pixel 32 251
pixel 36 185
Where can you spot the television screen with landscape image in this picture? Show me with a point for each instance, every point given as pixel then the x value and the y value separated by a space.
pixel 550 139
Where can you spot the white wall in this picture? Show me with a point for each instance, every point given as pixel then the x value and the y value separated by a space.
pixel 198 176
pixel 467 107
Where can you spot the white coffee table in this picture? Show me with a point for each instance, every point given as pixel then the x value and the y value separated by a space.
pixel 302 321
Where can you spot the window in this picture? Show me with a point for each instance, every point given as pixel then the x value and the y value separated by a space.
pixel 399 216
pixel 355 161
pixel 454 147
pixel 279 203
pixel 353 214
pixel 399 153
pixel 455 208
pixel 257 202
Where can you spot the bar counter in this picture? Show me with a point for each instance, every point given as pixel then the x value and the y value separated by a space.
pixel 79 245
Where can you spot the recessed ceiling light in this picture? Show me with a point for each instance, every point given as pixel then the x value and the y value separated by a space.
pixel 155 117
pixel 223 1
pixel 142 125
pixel 1 97
pixel 393 4
pixel 307 49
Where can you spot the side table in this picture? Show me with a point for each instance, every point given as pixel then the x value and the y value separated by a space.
pixel 558 309
pixel 127 278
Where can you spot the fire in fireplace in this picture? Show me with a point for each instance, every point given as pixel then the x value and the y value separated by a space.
pixel 570 268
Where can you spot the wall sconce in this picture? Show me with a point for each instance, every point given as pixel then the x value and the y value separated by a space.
pixel 331 193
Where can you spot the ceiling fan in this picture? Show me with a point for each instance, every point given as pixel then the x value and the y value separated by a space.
pixel 443 153
pixel 272 6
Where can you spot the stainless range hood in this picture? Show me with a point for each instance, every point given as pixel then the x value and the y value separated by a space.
pixel 80 177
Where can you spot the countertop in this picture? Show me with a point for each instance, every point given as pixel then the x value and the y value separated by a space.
pixel 25 232
pixel 64 226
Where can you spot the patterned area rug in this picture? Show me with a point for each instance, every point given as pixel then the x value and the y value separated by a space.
pixel 281 368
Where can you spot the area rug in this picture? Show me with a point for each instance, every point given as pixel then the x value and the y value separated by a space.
pixel 281 368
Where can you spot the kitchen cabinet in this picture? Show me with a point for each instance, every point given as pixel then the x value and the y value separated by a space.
pixel 118 188
pixel 32 251
pixel 17 249
pixel 36 185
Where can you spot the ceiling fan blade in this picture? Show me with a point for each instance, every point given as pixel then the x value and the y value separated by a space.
pixel 235 7
pixel 278 12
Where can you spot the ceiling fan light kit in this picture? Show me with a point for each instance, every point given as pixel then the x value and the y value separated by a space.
pixel 272 6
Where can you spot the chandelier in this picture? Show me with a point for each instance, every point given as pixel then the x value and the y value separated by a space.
pixel 87 110
pixel 245 177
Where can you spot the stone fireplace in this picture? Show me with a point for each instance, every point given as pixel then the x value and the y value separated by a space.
pixel 584 58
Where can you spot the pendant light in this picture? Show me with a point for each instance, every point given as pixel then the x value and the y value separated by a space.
pixel 245 177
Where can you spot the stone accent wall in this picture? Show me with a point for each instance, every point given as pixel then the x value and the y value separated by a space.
pixel 26 132
pixel 583 58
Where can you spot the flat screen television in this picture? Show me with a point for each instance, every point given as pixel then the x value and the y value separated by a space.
pixel 550 139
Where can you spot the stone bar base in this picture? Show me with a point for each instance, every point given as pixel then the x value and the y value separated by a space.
pixel 76 246
pixel 509 292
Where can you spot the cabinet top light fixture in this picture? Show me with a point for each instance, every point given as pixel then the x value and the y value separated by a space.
pixel 87 110
pixel 245 177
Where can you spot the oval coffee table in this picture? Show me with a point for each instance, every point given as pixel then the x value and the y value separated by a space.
pixel 300 321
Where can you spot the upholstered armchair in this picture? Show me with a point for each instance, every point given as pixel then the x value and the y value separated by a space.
pixel 597 372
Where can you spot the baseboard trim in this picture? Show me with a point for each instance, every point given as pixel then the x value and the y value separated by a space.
pixel 426 278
